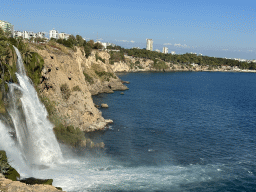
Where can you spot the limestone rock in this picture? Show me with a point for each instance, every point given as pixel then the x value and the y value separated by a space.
pixel 104 105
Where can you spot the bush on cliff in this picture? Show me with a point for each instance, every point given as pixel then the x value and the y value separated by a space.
pixel 99 58
pixel 65 91
pixel 88 78
pixel 69 135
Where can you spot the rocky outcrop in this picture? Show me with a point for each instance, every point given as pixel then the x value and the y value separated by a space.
pixel 16 186
pixel 69 79
pixel 104 105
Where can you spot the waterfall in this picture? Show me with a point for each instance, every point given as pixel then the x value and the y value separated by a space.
pixel 34 132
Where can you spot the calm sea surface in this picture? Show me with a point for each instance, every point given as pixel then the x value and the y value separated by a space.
pixel 181 131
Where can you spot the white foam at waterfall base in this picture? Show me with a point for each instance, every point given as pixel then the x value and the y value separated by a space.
pixel 14 155
pixel 34 132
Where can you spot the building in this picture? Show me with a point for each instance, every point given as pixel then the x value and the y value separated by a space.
pixel 157 50
pixel 17 34
pixel 53 34
pixel 173 52
pixel 40 35
pixel 150 44
pixel 28 35
pixel 165 50
pixel 63 35
pixel 25 35
pixel 7 27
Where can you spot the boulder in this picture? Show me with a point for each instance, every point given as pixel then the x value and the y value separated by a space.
pixel 104 105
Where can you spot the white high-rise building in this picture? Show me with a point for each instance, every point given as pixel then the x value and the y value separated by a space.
pixel 53 34
pixel 7 27
pixel 165 50
pixel 150 44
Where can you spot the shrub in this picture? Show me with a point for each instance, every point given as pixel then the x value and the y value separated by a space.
pixel 69 135
pixel 65 91
pixel 88 78
pixel 106 74
pixel 76 88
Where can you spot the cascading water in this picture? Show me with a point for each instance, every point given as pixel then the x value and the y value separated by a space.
pixel 34 131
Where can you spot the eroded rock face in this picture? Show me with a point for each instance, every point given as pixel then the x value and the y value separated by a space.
pixel 64 83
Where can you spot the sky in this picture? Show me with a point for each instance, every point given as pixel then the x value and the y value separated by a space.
pixel 219 28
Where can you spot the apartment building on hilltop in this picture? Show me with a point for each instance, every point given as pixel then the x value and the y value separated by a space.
pixel 149 44
pixel 53 34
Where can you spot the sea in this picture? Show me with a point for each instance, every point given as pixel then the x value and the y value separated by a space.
pixel 173 131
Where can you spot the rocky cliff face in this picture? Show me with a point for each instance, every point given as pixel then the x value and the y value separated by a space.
pixel 69 79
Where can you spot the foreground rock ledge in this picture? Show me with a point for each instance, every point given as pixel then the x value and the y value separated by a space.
pixel 7 185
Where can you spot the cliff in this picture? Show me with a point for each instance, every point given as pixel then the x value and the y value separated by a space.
pixel 69 79
pixel 132 64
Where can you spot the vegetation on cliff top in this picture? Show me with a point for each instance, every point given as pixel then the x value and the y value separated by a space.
pixel 187 58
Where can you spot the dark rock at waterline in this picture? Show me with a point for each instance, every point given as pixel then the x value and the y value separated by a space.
pixel 126 82
pixel 97 106
pixel 33 181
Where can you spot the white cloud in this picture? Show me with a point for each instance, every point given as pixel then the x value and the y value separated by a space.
pixel 177 45
pixel 182 46
pixel 125 41
pixel 167 44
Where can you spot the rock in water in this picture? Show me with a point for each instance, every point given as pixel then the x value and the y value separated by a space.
pixel 104 105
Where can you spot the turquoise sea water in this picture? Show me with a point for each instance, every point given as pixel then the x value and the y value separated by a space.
pixel 182 131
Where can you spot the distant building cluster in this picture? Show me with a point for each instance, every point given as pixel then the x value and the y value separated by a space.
pixel 56 35
pixel 28 35
pixel 149 47
pixel 105 45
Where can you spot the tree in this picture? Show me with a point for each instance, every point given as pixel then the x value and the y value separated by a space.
pixel 80 40
pixel 90 43
pixel 98 46
pixel 87 50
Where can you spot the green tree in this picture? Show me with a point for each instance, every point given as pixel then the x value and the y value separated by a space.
pixel 80 40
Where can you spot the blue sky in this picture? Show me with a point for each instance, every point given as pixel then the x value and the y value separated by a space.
pixel 215 28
